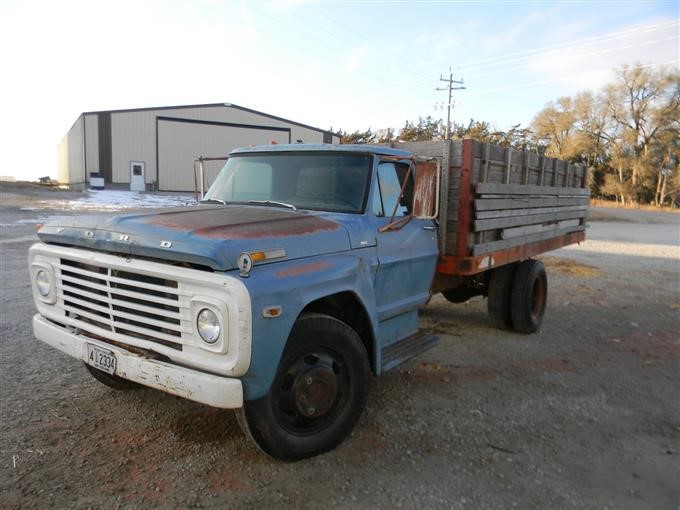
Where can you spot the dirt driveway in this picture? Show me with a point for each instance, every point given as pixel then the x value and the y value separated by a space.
pixel 584 414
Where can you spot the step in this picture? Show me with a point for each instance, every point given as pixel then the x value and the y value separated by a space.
pixel 398 352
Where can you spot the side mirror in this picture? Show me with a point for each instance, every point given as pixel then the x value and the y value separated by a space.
pixel 426 190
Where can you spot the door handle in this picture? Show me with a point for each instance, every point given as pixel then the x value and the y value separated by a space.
pixel 430 227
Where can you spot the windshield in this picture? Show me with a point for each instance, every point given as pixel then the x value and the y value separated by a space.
pixel 324 182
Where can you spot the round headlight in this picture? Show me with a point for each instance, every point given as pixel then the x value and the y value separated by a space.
pixel 208 325
pixel 42 282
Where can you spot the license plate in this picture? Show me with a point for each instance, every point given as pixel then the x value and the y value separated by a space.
pixel 103 359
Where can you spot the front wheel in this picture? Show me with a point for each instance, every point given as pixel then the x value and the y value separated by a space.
pixel 318 393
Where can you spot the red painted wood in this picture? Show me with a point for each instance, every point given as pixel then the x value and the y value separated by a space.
pixel 466 266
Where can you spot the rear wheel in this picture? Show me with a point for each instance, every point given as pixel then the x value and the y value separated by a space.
pixel 529 296
pixel 318 394
pixel 112 381
pixel 499 296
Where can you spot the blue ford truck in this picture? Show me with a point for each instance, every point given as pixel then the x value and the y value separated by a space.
pixel 299 276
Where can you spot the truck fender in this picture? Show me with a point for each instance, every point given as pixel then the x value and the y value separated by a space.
pixel 293 286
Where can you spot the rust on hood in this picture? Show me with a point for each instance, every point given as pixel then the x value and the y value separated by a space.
pixel 243 222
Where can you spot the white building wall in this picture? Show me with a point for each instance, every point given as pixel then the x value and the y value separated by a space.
pixel 71 161
pixel 62 161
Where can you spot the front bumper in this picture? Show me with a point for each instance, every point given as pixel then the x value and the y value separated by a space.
pixel 213 390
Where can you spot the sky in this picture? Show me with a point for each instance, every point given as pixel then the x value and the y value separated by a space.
pixel 342 65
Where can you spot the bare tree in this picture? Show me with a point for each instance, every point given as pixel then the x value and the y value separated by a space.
pixel 555 129
pixel 644 105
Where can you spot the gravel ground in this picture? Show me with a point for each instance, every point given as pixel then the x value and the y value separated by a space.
pixel 584 414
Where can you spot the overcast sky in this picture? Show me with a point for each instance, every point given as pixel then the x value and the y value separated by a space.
pixel 349 65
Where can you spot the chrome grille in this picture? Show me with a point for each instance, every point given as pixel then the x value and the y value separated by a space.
pixel 130 304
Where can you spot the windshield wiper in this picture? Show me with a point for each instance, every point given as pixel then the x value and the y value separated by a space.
pixel 274 203
pixel 212 201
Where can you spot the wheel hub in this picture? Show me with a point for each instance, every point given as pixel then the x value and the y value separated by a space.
pixel 315 391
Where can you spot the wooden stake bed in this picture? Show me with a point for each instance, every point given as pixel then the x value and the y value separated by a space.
pixel 499 205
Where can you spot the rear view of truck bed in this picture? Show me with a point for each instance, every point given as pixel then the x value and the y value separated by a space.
pixel 499 205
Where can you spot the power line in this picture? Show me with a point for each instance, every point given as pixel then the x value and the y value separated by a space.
pixel 571 76
pixel 581 42
pixel 568 78
pixel 450 88
pixel 546 50
pixel 579 55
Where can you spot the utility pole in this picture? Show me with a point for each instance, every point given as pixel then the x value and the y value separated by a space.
pixel 451 82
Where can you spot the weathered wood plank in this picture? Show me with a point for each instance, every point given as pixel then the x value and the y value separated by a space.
pixel 485 215
pixel 431 148
pixel 508 165
pixel 525 168
pixel 518 189
pixel 485 164
pixel 491 204
pixel 527 198
pixel 529 219
pixel 510 233
pixel 453 199
pixel 480 249
pixel 445 170
pixel 567 176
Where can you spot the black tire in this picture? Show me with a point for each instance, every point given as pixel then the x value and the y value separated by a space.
pixel 318 393
pixel 460 294
pixel 529 296
pixel 112 381
pixel 499 296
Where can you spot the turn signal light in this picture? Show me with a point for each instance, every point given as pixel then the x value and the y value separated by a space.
pixel 259 256
pixel 271 311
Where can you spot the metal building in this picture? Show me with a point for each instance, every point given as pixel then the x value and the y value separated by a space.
pixel 155 148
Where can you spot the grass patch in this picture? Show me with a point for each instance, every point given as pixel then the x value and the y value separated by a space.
pixel 570 267
pixel 598 202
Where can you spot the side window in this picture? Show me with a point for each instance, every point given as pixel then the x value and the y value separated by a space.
pixel 390 178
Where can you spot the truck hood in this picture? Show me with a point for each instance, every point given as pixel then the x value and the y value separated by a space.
pixel 206 235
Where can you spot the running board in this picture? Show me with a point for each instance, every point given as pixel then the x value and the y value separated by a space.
pixel 398 352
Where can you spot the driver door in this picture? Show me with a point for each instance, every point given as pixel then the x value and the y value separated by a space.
pixel 407 257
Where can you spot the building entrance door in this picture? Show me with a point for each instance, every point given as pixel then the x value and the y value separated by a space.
pixel 137 182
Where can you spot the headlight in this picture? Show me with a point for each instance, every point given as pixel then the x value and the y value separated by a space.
pixel 208 325
pixel 42 282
